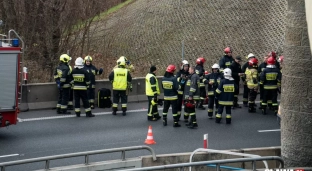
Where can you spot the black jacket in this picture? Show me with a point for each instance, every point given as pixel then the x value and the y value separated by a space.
pixel 170 85
pixel 236 69
pixel 215 78
pixel 92 70
pixel 182 76
pixel 225 92
pixel 270 77
pixel 80 79
pixel 62 75
pixel 225 62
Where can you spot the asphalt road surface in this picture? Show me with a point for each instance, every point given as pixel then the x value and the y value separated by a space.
pixel 44 133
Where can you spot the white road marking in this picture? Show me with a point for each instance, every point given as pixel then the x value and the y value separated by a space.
pixel 97 114
pixel 271 130
pixel 10 155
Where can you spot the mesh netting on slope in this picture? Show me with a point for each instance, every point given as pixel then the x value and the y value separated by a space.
pixel 151 31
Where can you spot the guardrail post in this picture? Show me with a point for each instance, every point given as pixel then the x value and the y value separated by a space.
pixel 123 155
pixel 253 163
pixel 3 168
pixel 47 165
pixel 86 159
pixel 217 166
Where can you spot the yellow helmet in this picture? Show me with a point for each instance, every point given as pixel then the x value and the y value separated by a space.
pixel 65 58
pixel 88 58
pixel 121 62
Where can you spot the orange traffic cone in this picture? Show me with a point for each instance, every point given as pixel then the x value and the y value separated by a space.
pixel 150 140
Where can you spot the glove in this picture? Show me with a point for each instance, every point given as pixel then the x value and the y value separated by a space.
pixel 100 71
pixel 155 97
pixel 128 62
pixel 58 84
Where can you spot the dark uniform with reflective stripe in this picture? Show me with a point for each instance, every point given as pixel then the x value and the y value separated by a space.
pixel 200 71
pixel 80 82
pixel 236 69
pixel 62 77
pixel 215 79
pixel 71 95
pixel 170 86
pixel 192 89
pixel 246 90
pixel 225 94
pixel 182 76
pixel 121 78
pixel 271 80
pixel 151 91
pixel 91 89
pixel 225 62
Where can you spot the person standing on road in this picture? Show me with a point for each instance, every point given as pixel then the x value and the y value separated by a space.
pixel 226 60
pixel 200 71
pixel 225 95
pixel 152 91
pixel 80 82
pixel 182 76
pixel 120 78
pixel 62 78
pixel 246 90
pixel 191 94
pixel 170 85
pixel 93 71
pixel 252 83
pixel 261 67
pixel 213 80
pixel 237 73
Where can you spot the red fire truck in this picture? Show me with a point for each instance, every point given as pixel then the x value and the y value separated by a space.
pixel 10 77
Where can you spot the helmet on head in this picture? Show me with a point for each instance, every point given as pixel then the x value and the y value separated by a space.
pixel 253 62
pixel 121 62
pixel 171 69
pixel 281 59
pixel 200 60
pixel 227 72
pixel 227 50
pixel 271 61
pixel 88 58
pixel 65 58
pixel 250 56
pixel 215 66
pixel 273 54
pixel 185 62
pixel 79 63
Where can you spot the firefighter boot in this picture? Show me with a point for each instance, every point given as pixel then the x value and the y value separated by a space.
pixel 251 108
pixel 218 118
pixel 151 118
pixel 192 124
pixel 124 111
pixel 157 116
pixel 114 111
pixel 89 114
pixel 58 110
pixel 70 107
pixel 64 111
pixel 186 117
pixel 77 114
pixel 264 110
pixel 179 115
pixel 210 115
pixel 228 119
pixel 91 105
pixel 165 121
pixel 200 105
pixel 176 122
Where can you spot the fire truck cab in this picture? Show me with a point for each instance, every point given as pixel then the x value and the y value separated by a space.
pixel 10 78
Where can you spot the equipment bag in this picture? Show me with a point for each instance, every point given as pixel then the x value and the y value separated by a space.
pixel 104 98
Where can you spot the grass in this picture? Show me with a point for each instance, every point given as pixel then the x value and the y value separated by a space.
pixel 101 16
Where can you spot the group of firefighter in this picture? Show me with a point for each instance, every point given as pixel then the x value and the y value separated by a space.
pixel 188 87
pixel 80 84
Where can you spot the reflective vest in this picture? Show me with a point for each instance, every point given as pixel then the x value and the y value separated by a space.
pixel 120 79
pixel 148 87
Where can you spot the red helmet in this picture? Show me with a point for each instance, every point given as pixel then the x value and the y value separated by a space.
pixel 253 62
pixel 171 69
pixel 273 54
pixel 200 60
pixel 271 61
pixel 227 50
pixel 206 72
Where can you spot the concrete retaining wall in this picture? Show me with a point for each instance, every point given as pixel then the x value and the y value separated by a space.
pixel 45 95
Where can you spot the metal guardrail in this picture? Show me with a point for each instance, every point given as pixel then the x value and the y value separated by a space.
pixel 225 152
pixel 217 162
pixel 85 154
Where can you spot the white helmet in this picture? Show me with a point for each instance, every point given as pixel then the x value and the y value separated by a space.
pixel 215 66
pixel 79 63
pixel 185 62
pixel 227 72
pixel 250 56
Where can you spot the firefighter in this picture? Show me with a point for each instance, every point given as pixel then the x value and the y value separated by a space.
pixel 213 80
pixel 62 78
pixel 271 80
pixel 191 94
pixel 152 91
pixel 252 83
pixel 261 67
pixel 182 76
pixel 92 71
pixel 226 60
pixel 237 73
pixel 71 93
pixel 225 95
pixel 120 78
pixel 200 71
pixel 170 85
pixel 81 82
pixel 246 90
